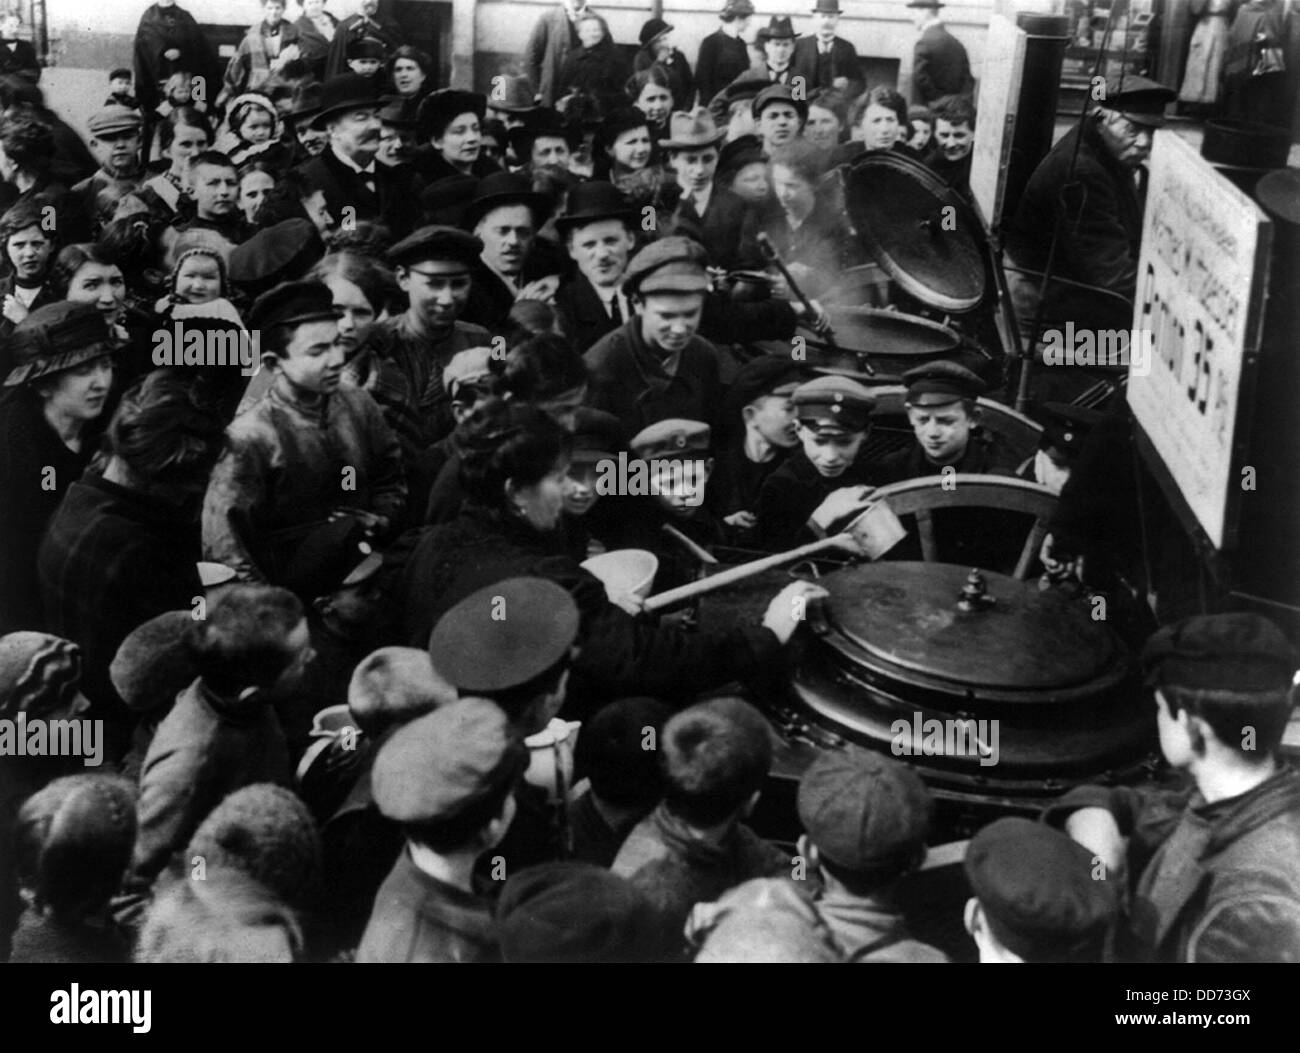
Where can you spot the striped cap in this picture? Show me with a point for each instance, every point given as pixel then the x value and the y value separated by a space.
pixel 39 674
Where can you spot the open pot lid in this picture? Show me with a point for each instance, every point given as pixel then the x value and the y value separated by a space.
pixel 901 211
pixel 905 616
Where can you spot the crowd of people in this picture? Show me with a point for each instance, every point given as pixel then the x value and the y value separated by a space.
pixel 315 373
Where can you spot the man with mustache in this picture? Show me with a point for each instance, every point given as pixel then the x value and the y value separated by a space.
pixel 115 141
pixel 306 453
pixel 356 187
pixel 597 229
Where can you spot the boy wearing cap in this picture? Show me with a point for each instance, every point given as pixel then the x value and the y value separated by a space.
pixel 433 267
pixel 1219 858
pixel 1036 896
pixel 448 778
pixel 944 415
pixel 778 116
pixel 308 451
pixel 866 819
pixel 826 59
pixel 826 481
pixel 695 845
pixel 759 432
pixel 116 141
pixel 655 366
pixel 1065 428
pixel 1100 221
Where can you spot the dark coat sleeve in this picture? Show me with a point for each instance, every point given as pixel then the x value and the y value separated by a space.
pixel 725 321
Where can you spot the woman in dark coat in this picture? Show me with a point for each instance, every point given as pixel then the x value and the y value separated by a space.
pixel 316 29
pixel 168 39
pixel 51 418
pixel 513 470
pixel 597 67
pixel 657 49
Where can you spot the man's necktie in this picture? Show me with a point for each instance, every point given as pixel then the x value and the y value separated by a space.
pixel 615 315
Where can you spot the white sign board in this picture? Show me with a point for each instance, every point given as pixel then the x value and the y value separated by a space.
pixel 995 122
pixel 1201 276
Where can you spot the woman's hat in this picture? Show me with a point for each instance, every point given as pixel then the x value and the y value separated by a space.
pixel 439 108
pixel 653 30
pixel 56 338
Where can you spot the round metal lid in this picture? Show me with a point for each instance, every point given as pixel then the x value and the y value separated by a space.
pixel 918 229
pixel 891 333
pixel 905 615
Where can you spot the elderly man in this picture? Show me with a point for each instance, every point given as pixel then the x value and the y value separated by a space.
pixel 826 60
pixel 1090 205
pixel 940 65
pixel 356 188
pixel 505 215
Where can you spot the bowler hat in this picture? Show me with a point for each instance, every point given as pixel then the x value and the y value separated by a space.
pixel 500 189
pixel 925 3
pixel 653 29
pixel 56 338
pixel 827 7
pixel 592 201
pixel 513 95
pixel 543 124
pixel 306 101
pixel 692 131
pixel 347 91
pixel 779 28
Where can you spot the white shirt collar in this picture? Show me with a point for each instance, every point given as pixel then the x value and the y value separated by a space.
pixel 368 170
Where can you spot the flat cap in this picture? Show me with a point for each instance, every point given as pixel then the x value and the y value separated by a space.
pixel 1225 652
pixel 335 555
pixel 293 303
pixel 39 674
pixel 504 635
pixel 1037 889
pixel 763 920
pixel 1142 100
pixel 114 119
pixel 863 810
pixel 277 253
pixel 833 404
pixel 778 93
pixel 1065 427
pixel 672 264
pixel 154 663
pixel 767 375
pixel 596 435
pixel 393 684
pixel 440 765
pixel 939 383
pixel 672 438
pixel 574 912
pixel 365 48
pixel 444 244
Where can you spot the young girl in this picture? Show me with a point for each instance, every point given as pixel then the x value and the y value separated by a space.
pixel 198 277
pixel 253 130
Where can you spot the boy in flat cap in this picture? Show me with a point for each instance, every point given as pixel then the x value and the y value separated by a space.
pixel 759 432
pixel 826 481
pixel 1036 896
pixel 1065 427
pixel 116 139
pixel 695 845
pixel 1100 215
pixel 448 779
pixel 866 818
pixel 308 451
pixel 944 415
pixel 433 267
pixel 656 366
pixel 1219 859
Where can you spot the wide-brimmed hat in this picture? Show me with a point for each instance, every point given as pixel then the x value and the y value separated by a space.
pixel 544 123
pixel 439 108
pixel 306 102
pixel 593 201
pixel 779 28
pixel 692 131
pixel 345 92
pixel 56 338
pixel 503 188
pixel 653 29
pixel 513 95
